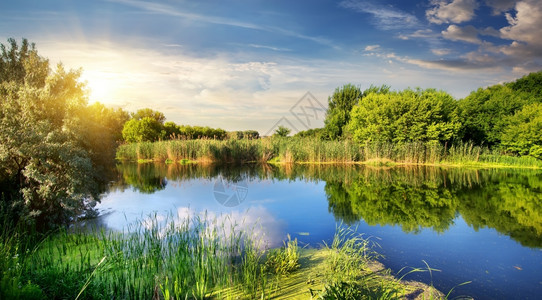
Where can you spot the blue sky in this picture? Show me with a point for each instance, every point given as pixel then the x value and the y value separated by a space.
pixel 243 64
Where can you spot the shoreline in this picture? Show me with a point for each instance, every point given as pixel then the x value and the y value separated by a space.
pixel 384 163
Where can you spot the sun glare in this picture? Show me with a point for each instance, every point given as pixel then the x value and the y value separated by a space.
pixel 102 87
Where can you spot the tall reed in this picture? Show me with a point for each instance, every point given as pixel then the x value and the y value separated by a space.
pixel 310 150
pixel 193 258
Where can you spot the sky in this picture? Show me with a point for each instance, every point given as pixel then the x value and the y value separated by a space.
pixel 251 64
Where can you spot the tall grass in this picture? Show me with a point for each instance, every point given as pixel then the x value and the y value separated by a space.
pixel 294 149
pixel 194 259
pixel 198 258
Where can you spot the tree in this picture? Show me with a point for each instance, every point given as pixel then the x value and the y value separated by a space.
pixel 282 131
pixel 486 112
pixel 339 106
pixel 523 135
pixel 149 113
pixel 251 134
pixel 316 133
pixel 407 116
pixel 171 130
pixel 48 169
pixel 102 131
pixel 143 130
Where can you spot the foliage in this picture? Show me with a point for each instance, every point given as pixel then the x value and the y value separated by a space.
pixel 339 107
pixel 316 133
pixel 146 129
pixel 523 135
pixel 45 153
pixel 149 113
pixel 406 116
pixel 530 86
pixel 486 112
pixel 247 134
pixel 282 131
pixel 199 132
pixel 102 129
pixel 147 125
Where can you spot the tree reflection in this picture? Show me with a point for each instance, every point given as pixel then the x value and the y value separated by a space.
pixel 413 198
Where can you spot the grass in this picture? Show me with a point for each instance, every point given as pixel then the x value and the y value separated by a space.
pixel 307 150
pixel 197 258
pixel 189 259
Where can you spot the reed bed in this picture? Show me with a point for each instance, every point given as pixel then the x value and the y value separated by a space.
pixel 309 150
pixel 198 258
pixel 156 259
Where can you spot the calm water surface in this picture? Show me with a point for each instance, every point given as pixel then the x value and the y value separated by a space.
pixel 483 226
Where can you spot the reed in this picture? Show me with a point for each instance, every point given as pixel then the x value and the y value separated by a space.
pixel 195 258
pixel 310 150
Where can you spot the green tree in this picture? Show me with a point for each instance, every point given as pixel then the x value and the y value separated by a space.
pixel 523 134
pixel 282 131
pixel 339 106
pixel 317 133
pixel 43 161
pixel 101 132
pixel 171 130
pixel 146 129
pixel 251 134
pixel 149 113
pixel 485 112
pixel 406 116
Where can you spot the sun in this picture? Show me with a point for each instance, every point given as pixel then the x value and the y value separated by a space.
pixel 102 87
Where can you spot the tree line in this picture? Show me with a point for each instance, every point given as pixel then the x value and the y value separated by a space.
pixel 505 117
pixel 147 125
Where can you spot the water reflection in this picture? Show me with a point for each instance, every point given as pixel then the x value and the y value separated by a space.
pixel 414 198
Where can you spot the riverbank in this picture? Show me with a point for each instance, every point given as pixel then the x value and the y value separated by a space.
pixel 312 151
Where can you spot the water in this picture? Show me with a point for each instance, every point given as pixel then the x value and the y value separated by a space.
pixel 483 226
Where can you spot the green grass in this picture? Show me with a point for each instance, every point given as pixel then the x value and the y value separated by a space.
pixel 308 150
pixel 192 259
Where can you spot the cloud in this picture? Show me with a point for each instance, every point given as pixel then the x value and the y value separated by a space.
pixel 419 34
pixel 524 31
pixel 269 47
pixel 500 6
pixel 385 17
pixel 371 48
pixel 467 34
pixel 526 24
pixel 441 52
pixel 456 11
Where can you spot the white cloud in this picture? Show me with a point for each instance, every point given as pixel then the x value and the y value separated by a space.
pixel 456 11
pixel 526 25
pixel 500 6
pixel 467 34
pixel 420 34
pixel 441 52
pixel 385 17
pixel 269 47
pixel 371 48
pixel 524 31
